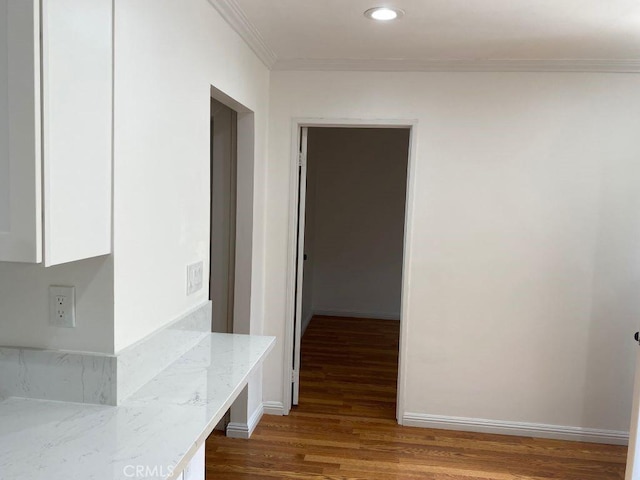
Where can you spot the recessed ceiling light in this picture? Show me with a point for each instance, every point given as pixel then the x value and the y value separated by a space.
pixel 383 13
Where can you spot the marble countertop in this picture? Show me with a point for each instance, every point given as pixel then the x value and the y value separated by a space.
pixel 158 428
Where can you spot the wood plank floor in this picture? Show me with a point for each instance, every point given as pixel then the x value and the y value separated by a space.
pixel 345 427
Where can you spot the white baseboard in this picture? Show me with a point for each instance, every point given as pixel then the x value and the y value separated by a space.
pixel 273 408
pixel 357 314
pixel 540 430
pixel 245 430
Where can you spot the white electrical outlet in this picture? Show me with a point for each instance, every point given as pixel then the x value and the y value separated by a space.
pixel 62 306
pixel 194 277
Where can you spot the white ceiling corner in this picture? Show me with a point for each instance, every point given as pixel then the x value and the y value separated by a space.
pixel 441 35
pixel 236 18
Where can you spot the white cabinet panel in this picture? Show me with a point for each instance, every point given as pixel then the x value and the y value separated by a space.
pixel 196 468
pixel 5 213
pixel 20 145
pixel 55 141
pixel 77 52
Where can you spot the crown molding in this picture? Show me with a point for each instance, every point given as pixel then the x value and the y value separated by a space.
pixel 235 17
pixel 506 65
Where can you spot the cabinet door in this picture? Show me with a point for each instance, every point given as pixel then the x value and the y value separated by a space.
pixel 20 145
pixel 77 57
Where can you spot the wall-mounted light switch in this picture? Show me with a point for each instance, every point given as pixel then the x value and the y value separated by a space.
pixel 62 306
pixel 194 277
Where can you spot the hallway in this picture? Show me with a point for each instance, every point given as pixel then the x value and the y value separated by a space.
pixel 345 427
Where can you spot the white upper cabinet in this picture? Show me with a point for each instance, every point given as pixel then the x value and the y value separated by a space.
pixel 20 135
pixel 77 58
pixel 59 141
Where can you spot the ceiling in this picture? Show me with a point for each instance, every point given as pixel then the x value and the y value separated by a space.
pixel 574 35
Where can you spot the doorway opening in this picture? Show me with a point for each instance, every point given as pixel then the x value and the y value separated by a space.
pixel 232 152
pixel 349 257
pixel 222 263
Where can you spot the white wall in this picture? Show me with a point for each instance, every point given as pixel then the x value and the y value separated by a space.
pixel 525 262
pixel 168 54
pixel 24 305
pixel 358 179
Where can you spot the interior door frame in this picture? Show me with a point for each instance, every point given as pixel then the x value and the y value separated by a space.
pixel 296 127
pixel 299 269
pixel 632 471
pixel 244 255
pixel 231 212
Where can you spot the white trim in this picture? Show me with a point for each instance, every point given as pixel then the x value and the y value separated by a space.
pixel 296 125
pixel 540 430
pixel 351 123
pixel 300 236
pixel 633 458
pixel 406 270
pixel 496 65
pixel 245 430
pixel 231 12
pixel 273 408
pixel 357 314
pixel 290 306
